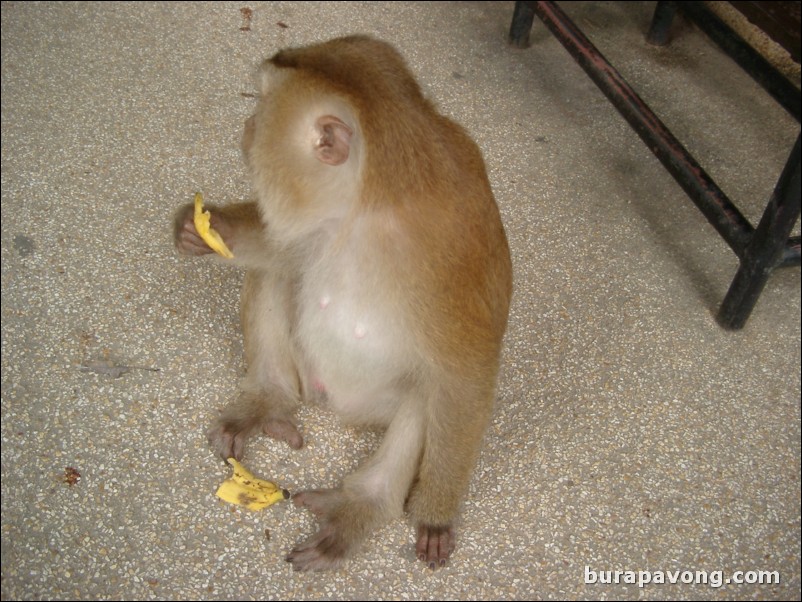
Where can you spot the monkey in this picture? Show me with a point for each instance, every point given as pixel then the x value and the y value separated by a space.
pixel 377 279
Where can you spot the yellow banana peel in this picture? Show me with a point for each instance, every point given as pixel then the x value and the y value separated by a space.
pixel 209 235
pixel 244 489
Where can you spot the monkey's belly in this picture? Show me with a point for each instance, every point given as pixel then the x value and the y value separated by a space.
pixel 352 356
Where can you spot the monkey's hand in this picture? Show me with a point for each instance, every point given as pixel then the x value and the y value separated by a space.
pixel 209 235
pixel 244 489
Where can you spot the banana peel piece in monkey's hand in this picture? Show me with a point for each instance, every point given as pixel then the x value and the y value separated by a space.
pixel 244 489
pixel 209 235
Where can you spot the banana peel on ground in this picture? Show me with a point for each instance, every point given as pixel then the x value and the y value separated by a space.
pixel 244 489
pixel 210 236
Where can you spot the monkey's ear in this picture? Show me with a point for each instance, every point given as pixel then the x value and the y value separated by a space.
pixel 333 141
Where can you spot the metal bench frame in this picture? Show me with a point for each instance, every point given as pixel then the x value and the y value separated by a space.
pixel 760 250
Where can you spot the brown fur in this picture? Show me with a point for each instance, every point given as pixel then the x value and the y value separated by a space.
pixel 372 202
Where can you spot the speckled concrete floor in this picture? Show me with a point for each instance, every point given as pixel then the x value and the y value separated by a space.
pixel 631 432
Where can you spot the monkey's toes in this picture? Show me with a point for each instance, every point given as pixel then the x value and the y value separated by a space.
pixel 227 442
pixel 325 550
pixel 435 544
pixel 284 430
pixel 319 502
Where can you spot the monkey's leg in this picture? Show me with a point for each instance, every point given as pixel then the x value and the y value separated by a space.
pixel 367 498
pixel 455 427
pixel 271 388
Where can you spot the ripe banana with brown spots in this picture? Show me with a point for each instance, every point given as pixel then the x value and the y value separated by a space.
pixel 244 489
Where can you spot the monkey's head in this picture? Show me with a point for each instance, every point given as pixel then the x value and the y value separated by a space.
pixel 324 111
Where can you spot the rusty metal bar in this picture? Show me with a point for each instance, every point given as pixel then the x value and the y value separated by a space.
pixel 766 249
pixel 725 217
pixel 660 29
pixel 522 18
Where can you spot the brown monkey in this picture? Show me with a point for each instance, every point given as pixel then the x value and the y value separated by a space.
pixel 378 279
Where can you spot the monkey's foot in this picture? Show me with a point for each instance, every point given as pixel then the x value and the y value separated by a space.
pixel 284 430
pixel 228 436
pixel 318 501
pixel 343 526
pixel 435 544
pixel 325 550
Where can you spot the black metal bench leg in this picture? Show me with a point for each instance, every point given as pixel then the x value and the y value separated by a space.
pixel 661 23
pixel 766 248
pixel 522 19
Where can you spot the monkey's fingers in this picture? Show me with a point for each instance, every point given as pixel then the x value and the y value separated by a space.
pixel 188 242
pixel 185 237
pixel 202 221
pixel 434 545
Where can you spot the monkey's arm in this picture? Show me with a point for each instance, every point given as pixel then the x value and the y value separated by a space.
pixel 239 225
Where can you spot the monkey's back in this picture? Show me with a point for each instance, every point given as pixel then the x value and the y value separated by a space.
pixel 426 213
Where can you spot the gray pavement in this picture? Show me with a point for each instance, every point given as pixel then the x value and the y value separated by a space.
pixel 631 433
